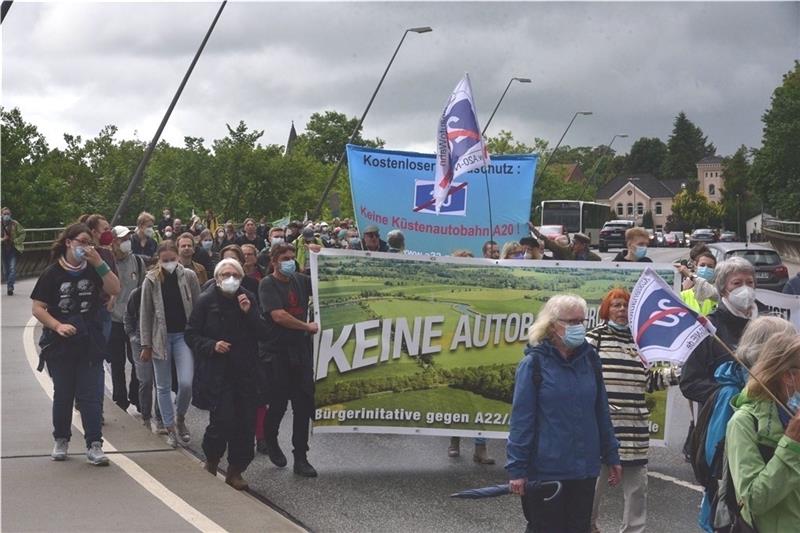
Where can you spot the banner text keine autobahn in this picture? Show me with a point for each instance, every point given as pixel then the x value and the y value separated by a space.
pixel 378 340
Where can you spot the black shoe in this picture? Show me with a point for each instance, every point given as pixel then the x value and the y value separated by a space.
pixel 10 291
pixel 261 447
pixel 275 454
pixel 303 468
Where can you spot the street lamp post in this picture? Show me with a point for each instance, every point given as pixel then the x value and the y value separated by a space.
pixel 544 167
pixel 597 163
pixel 631 179
pixel 318 209
pixel 521 80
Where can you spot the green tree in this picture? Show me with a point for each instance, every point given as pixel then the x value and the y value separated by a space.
pixel 646 156
pixel 23 151
pixel 738 204
pixel 692 210
pixel 327 134
pixel 776 166
pixel 686 146
pixel 504 143
pixel 647 220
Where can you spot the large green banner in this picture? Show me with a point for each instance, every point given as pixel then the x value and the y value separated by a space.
pixel 429 345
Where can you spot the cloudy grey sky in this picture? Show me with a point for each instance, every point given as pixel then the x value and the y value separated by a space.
pixel 75 68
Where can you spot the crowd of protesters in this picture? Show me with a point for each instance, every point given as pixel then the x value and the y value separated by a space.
pixel 218 315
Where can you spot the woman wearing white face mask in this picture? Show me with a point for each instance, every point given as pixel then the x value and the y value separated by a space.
pixel 735 280
pixel 144 242
pixel 223 333
pixel 763 441
pixel 168 294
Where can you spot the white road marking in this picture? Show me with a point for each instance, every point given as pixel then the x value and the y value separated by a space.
pixel 682 483
pixel 136 472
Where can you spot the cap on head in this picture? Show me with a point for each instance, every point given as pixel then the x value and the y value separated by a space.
pixel 582 237
pixel 372 229
pixel 121 231
pixel 308 232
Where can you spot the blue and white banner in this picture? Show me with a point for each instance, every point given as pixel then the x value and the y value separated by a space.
pixel 663 327
pixel 392 190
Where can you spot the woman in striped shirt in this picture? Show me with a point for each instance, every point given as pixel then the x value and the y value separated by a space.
pixel 625 376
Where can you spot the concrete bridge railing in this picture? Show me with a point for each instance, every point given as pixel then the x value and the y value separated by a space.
pixel 784 235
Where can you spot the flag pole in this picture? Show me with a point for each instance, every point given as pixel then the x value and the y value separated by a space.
pixel 489 202
pixel 752 375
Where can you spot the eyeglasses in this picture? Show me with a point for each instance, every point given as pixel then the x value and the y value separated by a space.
pixel 82 242
pixel 225 275
pixel 574 321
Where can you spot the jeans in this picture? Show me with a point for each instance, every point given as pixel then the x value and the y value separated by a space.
pixel 178 350
pixel 145 375
pixel 119 348
pixel 634 490
pixel 569 512
pixel 10 266
pixel 104 317
pixel 288 384
pixel 231 426
pixel 76 378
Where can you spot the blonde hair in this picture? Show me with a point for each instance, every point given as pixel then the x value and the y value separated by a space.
pixel 632 233
pixel 145 217
pixel 756 334
pixel 508 248
pixel 781 353
pixel 462 253
pixel 548 315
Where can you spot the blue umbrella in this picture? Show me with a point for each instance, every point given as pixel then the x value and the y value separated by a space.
pixel 541 487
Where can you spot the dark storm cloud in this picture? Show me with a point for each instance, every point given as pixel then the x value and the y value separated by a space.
pixel 75 68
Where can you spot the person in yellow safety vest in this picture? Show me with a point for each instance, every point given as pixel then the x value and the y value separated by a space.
pixel 699 293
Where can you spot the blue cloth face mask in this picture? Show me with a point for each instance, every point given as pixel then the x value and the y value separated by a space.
pixel 80 252
pixel 287 268
pixel 618 327
pixel 707 273
pixel 574 335
pixel 640 252
pixel 793 403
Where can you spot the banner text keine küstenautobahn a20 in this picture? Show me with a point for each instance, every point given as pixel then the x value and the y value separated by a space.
pixel 430 345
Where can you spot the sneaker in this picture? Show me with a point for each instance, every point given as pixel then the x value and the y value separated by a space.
pixel 10 291
pixel 183 431
pixel 276 454
pixel 60 450
pixel 160 429
pixel 95 454
pixel 173 441
pixel 303 468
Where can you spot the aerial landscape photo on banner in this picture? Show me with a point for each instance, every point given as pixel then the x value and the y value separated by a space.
pixel 430 345
pixel 393 190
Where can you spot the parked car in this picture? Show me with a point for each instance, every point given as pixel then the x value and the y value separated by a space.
pixel 613 234
pixel 771 273
pixel 671 240
pixel 706 236
pixel 660 239
pixel 653 241
pixel 728 236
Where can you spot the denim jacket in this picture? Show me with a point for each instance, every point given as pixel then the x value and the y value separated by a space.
pixel 573 422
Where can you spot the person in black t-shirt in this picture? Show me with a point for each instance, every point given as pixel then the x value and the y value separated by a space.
pixel 250 235
pixel 66 300
pixel 636 241
pixel 284 297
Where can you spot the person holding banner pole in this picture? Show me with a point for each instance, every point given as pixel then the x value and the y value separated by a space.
pixel 735 282
pixel 625 379
pixel 560 427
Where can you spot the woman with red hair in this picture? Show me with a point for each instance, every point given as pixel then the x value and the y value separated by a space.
pixel 625 377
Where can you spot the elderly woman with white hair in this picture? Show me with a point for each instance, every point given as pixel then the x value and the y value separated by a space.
pixel 732 377
pixel 735 281
pixel 223 332
pixel 560 426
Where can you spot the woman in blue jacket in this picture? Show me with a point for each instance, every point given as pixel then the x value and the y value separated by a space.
pixel 560 425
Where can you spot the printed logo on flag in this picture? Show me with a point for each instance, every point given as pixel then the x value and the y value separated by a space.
pixel 661 320
pixel 454 204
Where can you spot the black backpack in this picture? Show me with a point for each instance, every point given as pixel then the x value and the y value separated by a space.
pixel 704 474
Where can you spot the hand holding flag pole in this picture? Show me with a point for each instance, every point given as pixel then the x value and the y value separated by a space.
pixel 665 329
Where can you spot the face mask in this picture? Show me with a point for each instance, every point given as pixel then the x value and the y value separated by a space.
pixel 618 327
pixel 80 252
pixel 793 403
pixel 640 252
pixel 106 238
pixel 166 216
pixel 277 240
pixel 170 266
pixel 574 335
pixel 149 232
pixel 742 298
pixel 517 256
pixel 528 255
pixel 168 234
pixel 6 218
pixel 707 273
pixel 287 268
pixel 220 236
pixel 230 285
pixel 207 245
pixel 125 247
pixel 355 243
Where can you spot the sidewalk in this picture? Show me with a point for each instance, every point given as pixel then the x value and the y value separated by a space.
pixel 147 487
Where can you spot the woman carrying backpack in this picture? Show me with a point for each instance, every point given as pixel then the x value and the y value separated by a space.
pixel 763 440
pixel 560 428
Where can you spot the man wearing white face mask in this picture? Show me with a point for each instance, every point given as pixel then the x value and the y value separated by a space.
pixel 130 271
pixel 735 280
pixel 144 243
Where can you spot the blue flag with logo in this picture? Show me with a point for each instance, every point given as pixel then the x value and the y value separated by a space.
pixel 663 327
pixel 392 190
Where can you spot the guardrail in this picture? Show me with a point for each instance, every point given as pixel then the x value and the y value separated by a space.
pixel 784 235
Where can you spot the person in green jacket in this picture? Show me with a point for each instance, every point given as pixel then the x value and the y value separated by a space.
pixel 769 491
pixel 13 235
pixel 699 293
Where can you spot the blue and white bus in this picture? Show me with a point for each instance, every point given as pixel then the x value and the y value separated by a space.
pixel 576 216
